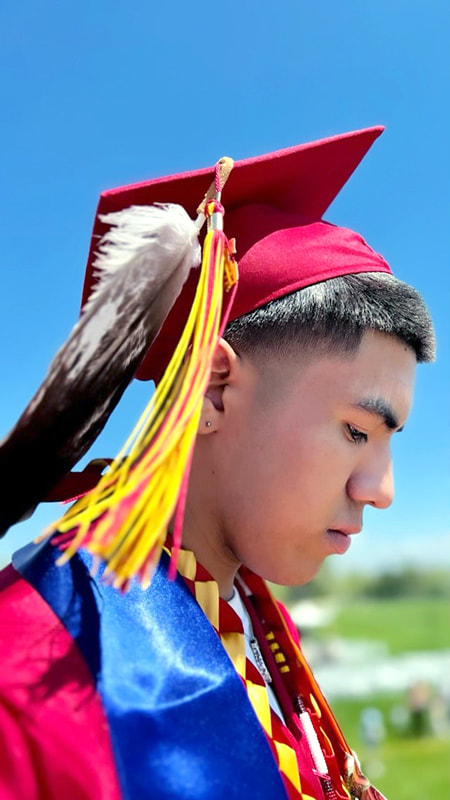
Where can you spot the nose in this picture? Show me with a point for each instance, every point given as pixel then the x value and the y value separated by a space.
pixel 373 483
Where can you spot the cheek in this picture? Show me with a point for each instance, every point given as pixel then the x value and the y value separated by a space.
pixel 276 470
pixel 302 478
pixel 283 463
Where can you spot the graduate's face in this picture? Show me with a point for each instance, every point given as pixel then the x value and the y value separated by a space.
pixel 299 446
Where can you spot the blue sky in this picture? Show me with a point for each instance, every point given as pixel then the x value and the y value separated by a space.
pixel 95 95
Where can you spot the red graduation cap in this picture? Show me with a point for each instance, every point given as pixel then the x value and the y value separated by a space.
pixel 274 205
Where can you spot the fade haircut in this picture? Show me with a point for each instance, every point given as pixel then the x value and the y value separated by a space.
pixel 333 315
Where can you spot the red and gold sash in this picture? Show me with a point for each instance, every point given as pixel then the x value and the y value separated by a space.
pixel 292 679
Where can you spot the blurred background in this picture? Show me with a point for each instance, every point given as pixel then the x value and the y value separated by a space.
pixel 378 642
pixel 96 95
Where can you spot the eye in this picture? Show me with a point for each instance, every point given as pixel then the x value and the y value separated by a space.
pixel 358 436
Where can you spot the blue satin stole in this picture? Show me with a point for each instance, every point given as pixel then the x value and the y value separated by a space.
pixel 180 720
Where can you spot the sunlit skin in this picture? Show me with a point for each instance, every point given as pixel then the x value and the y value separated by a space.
pixel 296 447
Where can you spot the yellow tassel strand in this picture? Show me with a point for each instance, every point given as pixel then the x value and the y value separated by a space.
pixel 125 518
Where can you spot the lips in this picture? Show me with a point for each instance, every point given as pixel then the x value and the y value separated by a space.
pixel 340 540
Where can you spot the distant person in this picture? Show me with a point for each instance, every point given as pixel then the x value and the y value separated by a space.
pixel 197 687
pixel 373 733
pixel 372 726
pixel 419 701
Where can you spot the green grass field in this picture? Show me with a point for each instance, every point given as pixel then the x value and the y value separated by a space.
pixel 405 625
pixel 413 769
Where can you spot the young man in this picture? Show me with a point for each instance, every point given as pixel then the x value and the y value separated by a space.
pixel 197 688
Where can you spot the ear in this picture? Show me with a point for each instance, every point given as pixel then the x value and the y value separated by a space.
pixel 223 371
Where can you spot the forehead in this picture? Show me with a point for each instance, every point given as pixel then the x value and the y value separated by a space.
pixel 382 368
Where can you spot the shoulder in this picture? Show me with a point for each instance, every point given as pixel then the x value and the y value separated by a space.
pixel 52 723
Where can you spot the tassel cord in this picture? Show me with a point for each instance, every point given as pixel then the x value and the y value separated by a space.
pixel 151 497
pixel 127 558
pixel 155 407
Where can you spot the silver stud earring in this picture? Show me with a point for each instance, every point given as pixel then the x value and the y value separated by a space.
pixel 208 424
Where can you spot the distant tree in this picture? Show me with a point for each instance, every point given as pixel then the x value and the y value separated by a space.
pixel 409 582
pixel 388 584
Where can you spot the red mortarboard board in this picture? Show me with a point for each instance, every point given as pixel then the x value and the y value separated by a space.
pixel 274 204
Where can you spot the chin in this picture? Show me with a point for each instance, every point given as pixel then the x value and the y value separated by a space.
pixel 293 577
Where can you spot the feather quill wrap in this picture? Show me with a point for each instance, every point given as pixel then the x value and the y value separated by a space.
pixel 143 263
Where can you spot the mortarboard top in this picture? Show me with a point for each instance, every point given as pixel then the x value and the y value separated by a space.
pixel 274 204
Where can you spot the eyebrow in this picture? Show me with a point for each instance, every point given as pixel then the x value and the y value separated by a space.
pixel 380 408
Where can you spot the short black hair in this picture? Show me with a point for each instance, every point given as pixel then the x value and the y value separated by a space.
pixel 333 316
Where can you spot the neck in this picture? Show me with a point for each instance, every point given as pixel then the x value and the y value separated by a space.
pixel 212 553
pixel 204 531
pixel 204 535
